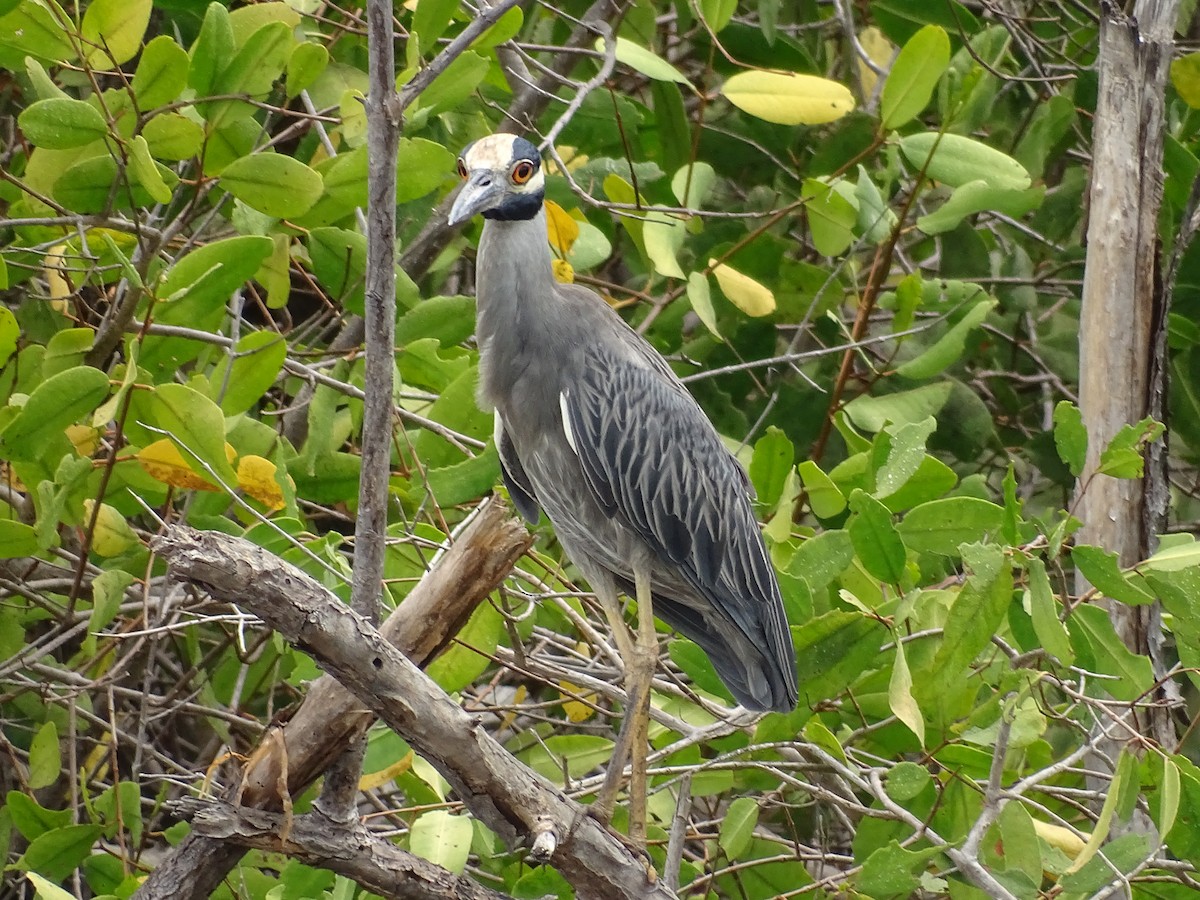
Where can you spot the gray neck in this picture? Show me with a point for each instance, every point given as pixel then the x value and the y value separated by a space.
pixel 515 299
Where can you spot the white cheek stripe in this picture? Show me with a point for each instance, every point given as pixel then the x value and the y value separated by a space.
pixel 566 422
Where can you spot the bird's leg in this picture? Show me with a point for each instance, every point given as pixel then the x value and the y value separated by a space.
pixel 642 674
pixel 602 808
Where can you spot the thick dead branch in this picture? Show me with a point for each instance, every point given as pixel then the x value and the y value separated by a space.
pixel 505 795
pixel 481 554
pixel 373 863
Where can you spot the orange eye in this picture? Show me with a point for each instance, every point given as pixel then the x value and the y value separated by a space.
pixel 522 172
pixel 462 169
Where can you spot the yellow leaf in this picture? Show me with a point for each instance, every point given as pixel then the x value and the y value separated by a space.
pixel 562 229
pixel 256 476
pixel 880 50
pixel 383 776
pixel 163 462
pixel 563 271
pixel 54 270
pixel 744 292
pixel 788 98
pixel 112 535
pixel 1064 839
pixel 84 438
pixel 577 710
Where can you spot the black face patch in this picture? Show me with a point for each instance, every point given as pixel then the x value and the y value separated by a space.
pixel 516 207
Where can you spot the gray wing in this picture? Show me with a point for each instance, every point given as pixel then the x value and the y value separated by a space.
pixel 652 459
pixel 520 488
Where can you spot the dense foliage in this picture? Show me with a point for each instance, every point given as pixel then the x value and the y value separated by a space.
pixel 869 278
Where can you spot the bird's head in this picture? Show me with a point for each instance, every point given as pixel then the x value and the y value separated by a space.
pixel 502 177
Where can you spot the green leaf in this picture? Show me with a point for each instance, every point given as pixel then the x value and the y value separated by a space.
pixel 449 320
pixel 663 237
pixel 112 31
pixel 17 539
pixel 459 81
pixel 914 75
pixel 788 98
pixel 822 558
pixel 256 362
pixel 145 172
pixel 464 481
pixel 696 665
pixel 54 404
pixel 1098 648
pixel 304 66
pixel 57 853
pixel 1049 629
pixel 422 166
pixel 832 651
pixel 1173 558
pixel 1124 456
pixel 977 196
pixel 875 538
pixel 700 297
pixel 831 217
pixel 442 838
pixel 1126 770
pixel 36 29
pixel 1070 436
pixel 572 754
pixel 108 592
pixel 273 184
pixel 1185 75
pixel 195 425
pixel 162 73
pixel 10 331
pixel 693 184
pixel 204 279
pixel 1101 569
pixel 45 761
pixel 942 526
pixel 1168 797
pixel 900 696
pixel 1022 849
pixel 466 659
pixel 977 613
pixel 905 457
pixel 737 827
pixel 252 70
pixel 212 51
pixel 88 186
pixel 906 780
pixel 61 123
pixel 173 136
pixel 430 21
pixel 947 349
pixel 957 160
pixel 891 871
pixel 717 13
pixel 339 262
pixel 31 818
pixel 1123 853
pixel 824 498
pixel 645 61
pixel 770 465
pixel 871 413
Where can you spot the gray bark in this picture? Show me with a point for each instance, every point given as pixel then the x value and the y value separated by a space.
pixel 296 754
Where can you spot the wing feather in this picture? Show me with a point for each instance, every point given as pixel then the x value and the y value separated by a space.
pixel 520 488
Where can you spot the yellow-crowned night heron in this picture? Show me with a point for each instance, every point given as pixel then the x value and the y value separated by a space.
pixel 593 427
